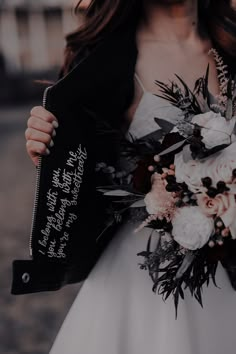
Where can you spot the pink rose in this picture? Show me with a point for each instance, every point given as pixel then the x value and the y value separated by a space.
pixel 223 205
pixel 215 206
pixel 158 201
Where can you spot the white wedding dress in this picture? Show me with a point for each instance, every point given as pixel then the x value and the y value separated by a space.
pixel 116 312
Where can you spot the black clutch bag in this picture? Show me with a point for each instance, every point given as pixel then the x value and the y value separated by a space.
pixel 64 204
pixel 69 217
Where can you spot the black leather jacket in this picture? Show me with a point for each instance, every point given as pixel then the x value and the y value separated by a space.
pixel 67 235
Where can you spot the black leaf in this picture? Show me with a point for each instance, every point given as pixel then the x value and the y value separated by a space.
pixel 176 302
pixel 164 124
pixel 181 292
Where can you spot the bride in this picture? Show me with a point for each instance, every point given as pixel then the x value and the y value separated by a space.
pixel 115 311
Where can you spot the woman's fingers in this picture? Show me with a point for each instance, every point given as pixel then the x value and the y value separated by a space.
pixel 36 148
pixel 39 124
pixel 41 127
pixel 37 135
pixel 42 113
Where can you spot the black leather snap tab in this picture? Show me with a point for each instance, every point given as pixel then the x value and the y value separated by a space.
pixel 25 278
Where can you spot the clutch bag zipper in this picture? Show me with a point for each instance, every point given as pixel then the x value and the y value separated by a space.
pixel 36 196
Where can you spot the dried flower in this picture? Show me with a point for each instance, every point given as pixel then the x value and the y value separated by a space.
pixel 222 77
pixel 158 201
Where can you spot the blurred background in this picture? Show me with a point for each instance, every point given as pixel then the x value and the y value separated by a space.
pixel 31 47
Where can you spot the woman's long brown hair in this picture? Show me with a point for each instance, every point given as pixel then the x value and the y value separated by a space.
pixel 102 16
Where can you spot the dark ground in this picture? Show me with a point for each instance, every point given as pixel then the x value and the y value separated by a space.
pixel 28 323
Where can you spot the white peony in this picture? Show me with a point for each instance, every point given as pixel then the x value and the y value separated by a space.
pixel 219 167
pixel 191 228
pixel 217 130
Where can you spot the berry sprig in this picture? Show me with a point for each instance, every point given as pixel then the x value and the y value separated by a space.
pixel 221 232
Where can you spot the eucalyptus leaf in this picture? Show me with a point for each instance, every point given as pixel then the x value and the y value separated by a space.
pixel 118 193
pixel 138 204
pixel 173 148
pixel 101 190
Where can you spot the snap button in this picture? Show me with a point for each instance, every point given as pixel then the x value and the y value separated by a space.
pixel 25 278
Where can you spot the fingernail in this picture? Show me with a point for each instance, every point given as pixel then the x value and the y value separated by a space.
pixel 47 151
pixel 54 132
pixel 55 124
pixel 51 143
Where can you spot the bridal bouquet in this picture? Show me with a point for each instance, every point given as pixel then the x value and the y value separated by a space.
pixel 190 203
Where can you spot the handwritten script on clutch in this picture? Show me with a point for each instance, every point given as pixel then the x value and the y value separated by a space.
pixel 62 198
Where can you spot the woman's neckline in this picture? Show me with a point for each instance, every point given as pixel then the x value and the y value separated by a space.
pixel 146 93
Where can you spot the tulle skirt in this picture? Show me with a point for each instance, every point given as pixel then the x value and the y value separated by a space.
pixel 116 312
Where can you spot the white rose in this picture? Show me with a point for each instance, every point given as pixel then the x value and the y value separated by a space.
pixel 188 172
pixel 217 130
pixel 191 228
pixel 219 167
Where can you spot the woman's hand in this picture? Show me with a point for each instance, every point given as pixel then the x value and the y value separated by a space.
pixel 39 133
